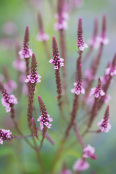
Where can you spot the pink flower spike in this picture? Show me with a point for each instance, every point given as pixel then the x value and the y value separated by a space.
pixel 80 42
pixel 103 39
pixel 94 43
pixel 42 36
pixel 97 92
pixel 33 77
pixel 81 165
pixel 26 52
pixel 104 124
pixel 61 17
pixel 44 119
pixel 78 86
pixel 5 135
pixel 56 61
pixel 89 152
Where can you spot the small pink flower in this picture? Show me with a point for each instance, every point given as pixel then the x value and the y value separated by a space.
pixel 97 92
pixel 24 55
pixel 5 135
pixel 42 37
pixel 110 71
pixel 57 63
pixel 44 121
pixel 78 89
pixel 89 152
pixel 102 40
pixel 7 101
pixel 80 165
pixel 61 24
pixel 33 79
pixel 104 126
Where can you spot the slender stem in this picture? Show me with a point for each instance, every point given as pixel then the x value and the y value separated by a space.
pixel 79 137
pixel 19 131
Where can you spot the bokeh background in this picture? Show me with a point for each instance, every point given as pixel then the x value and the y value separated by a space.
pixel 17 157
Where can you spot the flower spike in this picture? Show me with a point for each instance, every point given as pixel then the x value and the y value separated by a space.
pixel 104 124
pixel 26 52
pixel 80 42
pixel 57 61
pixel 97 92
pixel 42 36
pixel 44 119
pixel 78 84
pixel 33 77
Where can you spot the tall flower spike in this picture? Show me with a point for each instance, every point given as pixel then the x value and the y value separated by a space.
pixel 44 119
pixel 104 124
pixel 31 80
pixel 56 61
pixel 103 39
pixel 5 135
pixel 94 41
pixel 97 92
pixel 78 84
pixel 80 42
pixel 8 101
pixel 26 52
pixel 42 36
pixel 33 77
pixel 62 17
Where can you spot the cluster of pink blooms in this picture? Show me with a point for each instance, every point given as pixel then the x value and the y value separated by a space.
pixel 81 164
pixel 44 120
pixel 61 21
pixel 19 65
pixel 105 125
pixel 78 88
pixel 89 152
pixel 110 71
pixel 26 52
pixel 78 85
pixel 33 78
pixel 8 100
pixel 42 37
pixel 5 135
pixel 97 92
pixel 57 63
pixel 80 42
